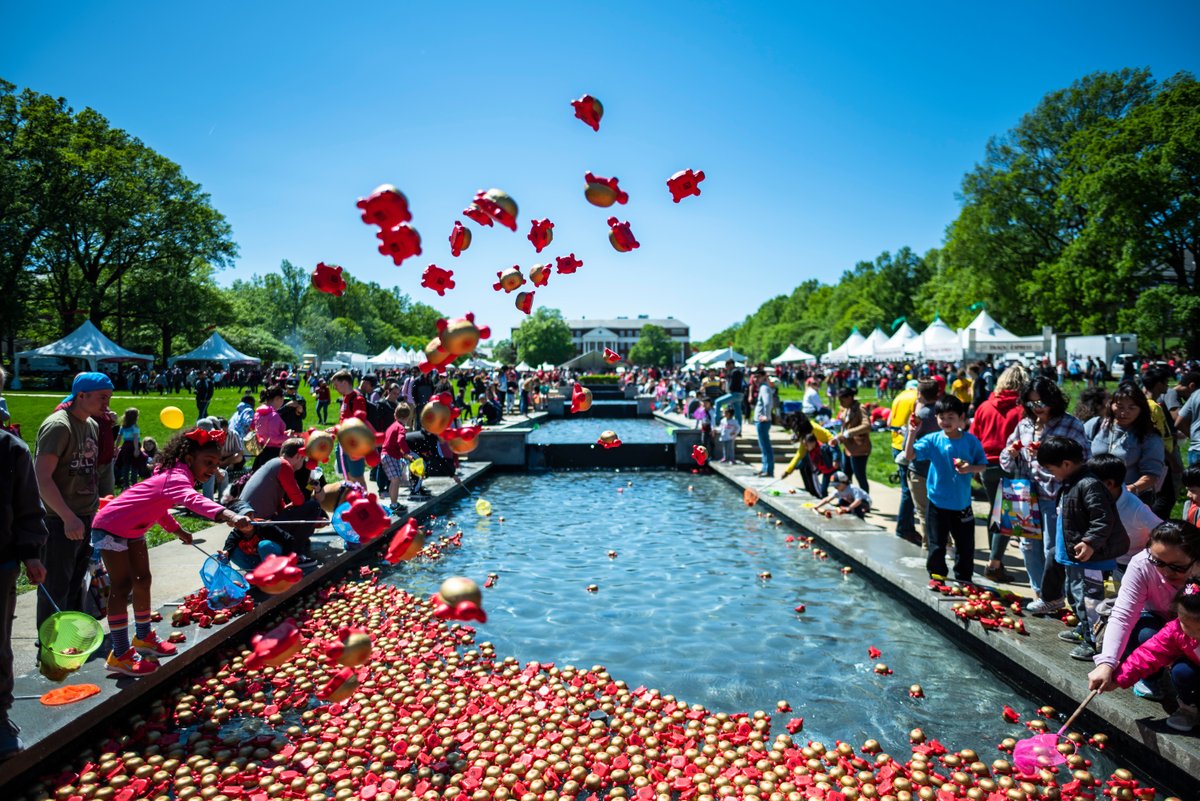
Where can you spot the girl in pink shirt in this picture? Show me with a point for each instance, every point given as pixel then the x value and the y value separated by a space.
pixel 1176 646
pixel 119 533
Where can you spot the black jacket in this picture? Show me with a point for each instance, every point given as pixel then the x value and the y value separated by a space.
pixel 1089 514
pixel 22 517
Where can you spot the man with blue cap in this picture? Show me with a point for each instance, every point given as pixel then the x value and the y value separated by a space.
pixel 68 450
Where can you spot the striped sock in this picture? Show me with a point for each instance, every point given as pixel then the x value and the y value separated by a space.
pixel 118 629
pixel 141 623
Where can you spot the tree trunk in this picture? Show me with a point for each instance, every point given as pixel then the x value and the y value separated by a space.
pixel 166 343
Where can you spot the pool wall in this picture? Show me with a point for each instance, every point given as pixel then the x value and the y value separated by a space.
pixel 508 447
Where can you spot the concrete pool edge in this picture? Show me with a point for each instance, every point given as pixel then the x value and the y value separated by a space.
pixel 899 566
pixel 66 727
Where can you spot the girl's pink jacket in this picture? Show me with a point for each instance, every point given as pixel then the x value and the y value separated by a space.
pixel 269 426
pixel 135 510
pixel 1160 651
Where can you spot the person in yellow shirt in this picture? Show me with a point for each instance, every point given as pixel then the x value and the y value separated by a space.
pixel 801 427
pixel 961 388
pixel 902 408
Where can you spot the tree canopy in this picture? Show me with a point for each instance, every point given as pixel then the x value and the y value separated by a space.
pixel 544 337
pixel 653 348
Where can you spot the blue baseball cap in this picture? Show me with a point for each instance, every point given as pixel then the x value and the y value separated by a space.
pixel 89 382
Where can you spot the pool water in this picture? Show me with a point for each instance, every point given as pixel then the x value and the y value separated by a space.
pixel 574 430
pixel 682 609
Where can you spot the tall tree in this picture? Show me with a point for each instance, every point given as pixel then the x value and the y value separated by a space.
pixel 653 347
pixel 544 337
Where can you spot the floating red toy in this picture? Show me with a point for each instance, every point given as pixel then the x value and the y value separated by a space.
pixel 609 440
pixel 620 236
pixel 611 356
pixel 795 725
pixel 874 652
pixel 276 646
pixel 581 398
pixel 589 110
pixel 474 212
pixel 406 543
pixel 460 238
pixel 1010 714
pixel 496 206
pixel 685 183
pixel 366 517
pixel 386 207
pixel 400 242
pixel 509 280
pixel 539 274
pixel 455 338
pixel 328 278
pixel 275 574
pixel 603 192
pixel 524 302
pixel 700 455
pixel 567 264
pixel 459 599
pixel 437 279
pixel 352 647
pixel 541 233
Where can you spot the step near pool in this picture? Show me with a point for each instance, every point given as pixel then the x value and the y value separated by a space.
pixel 586 430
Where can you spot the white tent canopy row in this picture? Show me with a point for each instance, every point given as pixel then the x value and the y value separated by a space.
pixel 706 358
pixel 793 355
pixel 894 347
pixel 86 342
pixel 841 354
pixel 985 335
pixel 867 349
pixel 216 349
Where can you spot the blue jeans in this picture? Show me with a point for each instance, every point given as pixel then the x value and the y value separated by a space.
pixel 906 517
pixel 1037 553
pixel 764 443
pixel 1187 681
pixel 858 470
pixel 729 397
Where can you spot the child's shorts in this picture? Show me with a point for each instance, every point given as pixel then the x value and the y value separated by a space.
pixel 104 541
pixel 393 468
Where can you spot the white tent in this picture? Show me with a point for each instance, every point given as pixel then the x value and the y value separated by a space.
pixel 940 342
pixel 894 347
pixel 793 355
pixel 388 358
pixel 698 358
pixel 866 351
pixel 723 355
pixel 841 354
pixel 523 367
pixel 985 335
pixel 216 349
pixel 85 342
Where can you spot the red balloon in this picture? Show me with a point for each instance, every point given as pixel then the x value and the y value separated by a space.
pixel 685 183
pixel 620 236
pixel 589 110
pixel 540 234
pixel 400 242
pixel 460 239
pixel 567 264
pixel 437 279
pixel 327 278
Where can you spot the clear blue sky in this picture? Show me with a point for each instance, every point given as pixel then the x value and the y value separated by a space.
pixel 829 132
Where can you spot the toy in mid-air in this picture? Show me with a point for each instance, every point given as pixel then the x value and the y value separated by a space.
pixel 611 356
pixel 589 110
pixel 541 234
pixel 386 207
pixel 460 239
pixel 275 574
pixel 524 302
pixel 539 274
pixel 494 205
pixel 609 440
pixel 328 278
pixel 406 543
pixel 275 647
pixel 566 265
pixel 437 279
pixel 685 183
pixel 581 398
pixel 462 440
pixel 700 455
pixel 340 687
pixel 459 599
pixel 351 648
pixel 620 236
pixel 455 338
pixel 318 446
pixel 358 440
pixel 603 192
pixel 438 413
pixel 400 242
pixel 365 516
pixel 509 280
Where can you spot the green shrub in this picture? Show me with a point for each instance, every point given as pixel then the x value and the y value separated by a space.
pixel 598 379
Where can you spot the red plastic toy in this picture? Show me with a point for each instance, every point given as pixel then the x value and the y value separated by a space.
pixel 406 543
pixel 276 646
pixel 685 183
pixel 437 279
pixel 509 280
pixel 539 274
pixel 455 338
pixel 581 398
pixel 327 278
pixel 567 264
pixel 524 302
pixel 460 238
pixel 589 110
pixel 603 192
pixel 700 455
pixel 873 652
pixel 474 212
pixel 541 233
pixel 497 205
pixel 276 574
pixel 611 356
pixel 400 242
pixel 366 517
pixel 462 440
pixel 340 687
pixel 620 236
pixel 459 599
pixel 351 648
pixel 438 413
pixel 1010 714
pixel 609 440
pixel 386 207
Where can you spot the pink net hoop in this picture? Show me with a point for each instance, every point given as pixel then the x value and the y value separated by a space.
pixel 1037 753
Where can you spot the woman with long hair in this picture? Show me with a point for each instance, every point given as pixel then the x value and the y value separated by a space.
pixel 855 435
pixel 1125 429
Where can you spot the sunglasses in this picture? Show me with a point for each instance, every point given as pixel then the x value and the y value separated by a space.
pixel 1161 565
pixel 1037 404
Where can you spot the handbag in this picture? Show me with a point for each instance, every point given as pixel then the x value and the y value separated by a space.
pixel 250 444
pixel 1016 512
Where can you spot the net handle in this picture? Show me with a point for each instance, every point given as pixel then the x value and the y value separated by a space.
pixel 1077 711
pixel 198 548
pixel 49 598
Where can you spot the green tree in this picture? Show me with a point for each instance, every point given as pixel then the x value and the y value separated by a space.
pixel 258 342
pixel 653 348
pixel 177 301
pixel 505 352
pixel 544 337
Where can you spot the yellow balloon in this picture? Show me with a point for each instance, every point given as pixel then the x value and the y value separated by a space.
pixel 483 508
pixel 417 468
pixel 171 417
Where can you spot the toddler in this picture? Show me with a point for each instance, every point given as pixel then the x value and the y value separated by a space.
pixel 728 430
pixel 849 499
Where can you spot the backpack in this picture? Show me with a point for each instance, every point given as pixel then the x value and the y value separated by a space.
pixel 379 415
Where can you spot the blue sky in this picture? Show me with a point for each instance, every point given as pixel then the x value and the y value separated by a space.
pixel 828 132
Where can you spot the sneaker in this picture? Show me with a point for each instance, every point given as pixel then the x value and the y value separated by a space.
pixel 130 663
pixel 1184 718
pixel 998 574
pixel 153 646
pixel 397 508
pixel 307 563
pixel 1150 689
pixel 1040 608
pixel 10 742
pixel 1083 652
pixel 1070 635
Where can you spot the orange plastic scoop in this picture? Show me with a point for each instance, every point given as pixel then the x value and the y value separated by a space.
pixel 69 694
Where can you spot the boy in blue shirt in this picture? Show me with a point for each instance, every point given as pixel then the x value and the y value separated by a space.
pixel 954 456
